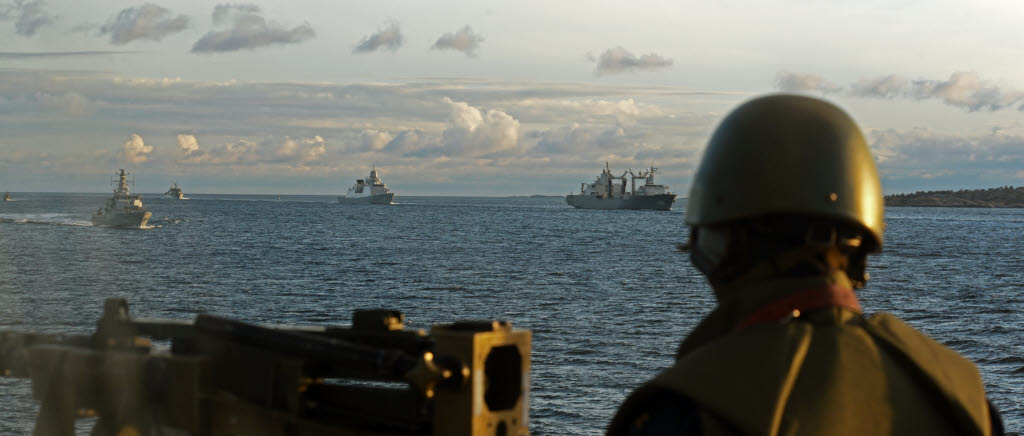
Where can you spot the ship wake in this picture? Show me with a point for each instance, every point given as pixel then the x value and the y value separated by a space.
pixel 53 219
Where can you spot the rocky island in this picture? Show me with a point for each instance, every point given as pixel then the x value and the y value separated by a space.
pixel 1006 196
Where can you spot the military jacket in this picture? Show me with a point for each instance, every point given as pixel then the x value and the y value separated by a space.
pixel 824 371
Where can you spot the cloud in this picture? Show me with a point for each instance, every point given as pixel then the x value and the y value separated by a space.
pixel 965 90
pixel 248 30
pixel 59 54
pixel 302 150
pixel 477 133
pixel 802 82
pixel 890 86
pixel 928 154
pixel 619 60
pixel 222 12
pixel 464 40
pixel 388 37
pixel 187 144
pixel 135 151
pixel 374 139
pixel 28 16
pixel 623 111
pixel 148 21
pixel 291 152
pixel 413 142
pixel 469 133
pixel 580 140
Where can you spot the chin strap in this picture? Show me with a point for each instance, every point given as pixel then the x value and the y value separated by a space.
pixel 793 305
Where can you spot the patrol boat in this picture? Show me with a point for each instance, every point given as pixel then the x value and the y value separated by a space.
pixel 174 192
pixel 123 210
pixel 369 191
pixel 605 193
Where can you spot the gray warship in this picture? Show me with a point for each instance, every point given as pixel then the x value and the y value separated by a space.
pixel 368 191
pixel 609 192
pixel 123 210
pixel 174 192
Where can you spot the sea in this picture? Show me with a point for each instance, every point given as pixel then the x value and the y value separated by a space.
pixel 606 293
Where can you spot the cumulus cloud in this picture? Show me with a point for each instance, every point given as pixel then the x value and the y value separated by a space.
pixel 148 21
pixel 619 60
pixel 927 154
pixel 469 133
pixel 413 142
pixel 301 150
pixel 464 40
pixel 293 152
pixel 890 86
pixel 479 133
pixel 187 144
pixel 576 139
pixel 624 111
pixel 247 30
pixel 802 82
pixel 963 89
pixel 372 139
pixel 389 37
pixel 135 151
pixel 28 16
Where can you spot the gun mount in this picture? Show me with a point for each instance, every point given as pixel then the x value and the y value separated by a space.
pixel 225 377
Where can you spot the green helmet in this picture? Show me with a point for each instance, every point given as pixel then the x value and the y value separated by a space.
pixel 788 155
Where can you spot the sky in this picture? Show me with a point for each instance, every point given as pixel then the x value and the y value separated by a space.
pixel 488 98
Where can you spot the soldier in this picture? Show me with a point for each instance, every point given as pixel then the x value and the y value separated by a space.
pixel 784 209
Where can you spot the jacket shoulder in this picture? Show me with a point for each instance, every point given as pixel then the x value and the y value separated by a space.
pixel 954 378
pixel 769 376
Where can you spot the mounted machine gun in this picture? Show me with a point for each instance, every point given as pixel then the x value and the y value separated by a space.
pixel 224 377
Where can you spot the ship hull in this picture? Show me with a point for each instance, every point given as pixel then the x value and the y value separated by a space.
pixel 644 202
pixel 369 199
pixel 122 221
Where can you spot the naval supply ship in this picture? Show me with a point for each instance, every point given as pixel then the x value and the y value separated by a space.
pixel 174 192
pixel 368 191
pixel 123 210
pixel 609 192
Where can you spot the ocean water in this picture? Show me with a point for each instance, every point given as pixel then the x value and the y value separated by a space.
pixel 605 293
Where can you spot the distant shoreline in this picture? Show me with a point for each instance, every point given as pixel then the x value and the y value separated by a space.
pixel 1006 196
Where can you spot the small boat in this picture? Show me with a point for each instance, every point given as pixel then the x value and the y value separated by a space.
pixel 174 192
pixel 368 191
pixel 123 210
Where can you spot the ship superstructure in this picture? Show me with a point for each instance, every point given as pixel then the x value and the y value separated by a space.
pixel 7 196
pixel 174 192
pixel 608 191
pixel 123 209
pixel 368 191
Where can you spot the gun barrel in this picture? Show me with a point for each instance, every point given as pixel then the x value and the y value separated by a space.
pixel 342 357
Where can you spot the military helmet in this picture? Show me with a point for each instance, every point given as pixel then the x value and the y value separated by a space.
pixel 788 155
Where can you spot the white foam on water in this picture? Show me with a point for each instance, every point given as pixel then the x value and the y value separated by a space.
pixel 58 219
